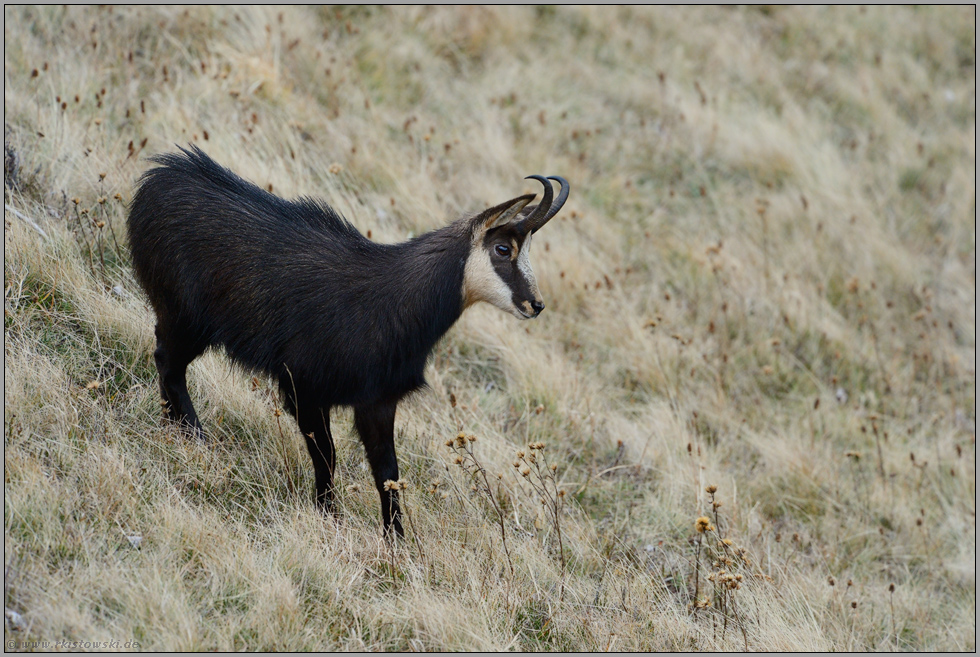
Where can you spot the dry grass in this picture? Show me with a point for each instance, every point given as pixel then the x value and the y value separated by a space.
pixel 764 281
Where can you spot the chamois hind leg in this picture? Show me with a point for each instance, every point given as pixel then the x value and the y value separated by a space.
pixel 314 423
pixel 173 354
pixel 375 424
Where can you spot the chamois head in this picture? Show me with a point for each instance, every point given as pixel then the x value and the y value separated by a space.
pixel 498 269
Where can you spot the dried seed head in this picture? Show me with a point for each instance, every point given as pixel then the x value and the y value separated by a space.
pixel 525 471
pixel 702 524
pixel 711 490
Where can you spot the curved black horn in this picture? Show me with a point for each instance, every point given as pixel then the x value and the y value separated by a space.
pixel 539 216
pixel 562 197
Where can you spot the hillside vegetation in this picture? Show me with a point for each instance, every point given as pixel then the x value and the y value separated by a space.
pixel 746 418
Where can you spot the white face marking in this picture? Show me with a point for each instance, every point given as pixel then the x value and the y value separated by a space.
pixel 524 266
pixel 481 283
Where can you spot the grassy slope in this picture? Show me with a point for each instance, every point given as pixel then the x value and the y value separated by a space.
pixel 767 207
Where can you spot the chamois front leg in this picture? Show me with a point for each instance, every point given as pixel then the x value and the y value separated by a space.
pixel 319 442
pixel 375 425
pixel 314 424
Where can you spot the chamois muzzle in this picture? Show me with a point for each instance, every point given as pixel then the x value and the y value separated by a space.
pixel 545 210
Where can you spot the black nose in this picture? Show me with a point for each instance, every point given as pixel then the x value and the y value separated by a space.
pixel 538 307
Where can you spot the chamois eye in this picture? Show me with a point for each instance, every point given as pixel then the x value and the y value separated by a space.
pixel 503 250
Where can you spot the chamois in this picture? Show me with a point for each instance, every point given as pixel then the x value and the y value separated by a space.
pixel 291 289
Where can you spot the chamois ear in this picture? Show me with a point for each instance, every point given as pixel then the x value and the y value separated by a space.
pixel 504 213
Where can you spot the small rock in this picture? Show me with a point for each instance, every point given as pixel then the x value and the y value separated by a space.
pixel 16 620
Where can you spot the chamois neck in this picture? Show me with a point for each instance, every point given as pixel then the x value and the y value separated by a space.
pixel 427 296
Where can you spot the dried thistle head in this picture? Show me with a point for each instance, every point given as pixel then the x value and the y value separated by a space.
pixel 711 490
pixel 702 524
